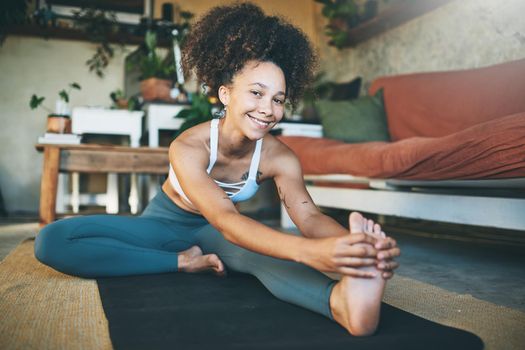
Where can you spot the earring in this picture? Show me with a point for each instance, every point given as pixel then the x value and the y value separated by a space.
pixel 221 113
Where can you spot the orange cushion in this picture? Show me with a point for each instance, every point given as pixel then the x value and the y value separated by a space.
pixel 491 150
pixel 441 103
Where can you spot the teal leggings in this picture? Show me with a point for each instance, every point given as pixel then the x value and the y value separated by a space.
pixel 107 245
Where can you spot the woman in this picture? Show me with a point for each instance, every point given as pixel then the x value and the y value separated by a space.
pixel 254 63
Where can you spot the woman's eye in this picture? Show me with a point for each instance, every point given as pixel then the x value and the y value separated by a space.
pixel 256 93
pixel 280 102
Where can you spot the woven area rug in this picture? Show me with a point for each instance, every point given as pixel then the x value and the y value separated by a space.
pixel 500 327
pixel 45 309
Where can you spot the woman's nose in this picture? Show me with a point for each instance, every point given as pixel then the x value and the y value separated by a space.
pixel 265 107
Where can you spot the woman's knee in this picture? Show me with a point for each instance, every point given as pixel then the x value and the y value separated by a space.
pixel 51 240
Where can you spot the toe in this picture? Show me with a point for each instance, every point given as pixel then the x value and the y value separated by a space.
pixel 216 262
pixel 370 226
pixel 356 222
pixel 218 266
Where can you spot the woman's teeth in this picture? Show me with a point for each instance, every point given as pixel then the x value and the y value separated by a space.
pixel 260 122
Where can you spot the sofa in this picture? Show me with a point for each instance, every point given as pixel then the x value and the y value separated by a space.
pixel 455 153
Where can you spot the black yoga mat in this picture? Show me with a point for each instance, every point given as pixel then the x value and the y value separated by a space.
pixel 202 311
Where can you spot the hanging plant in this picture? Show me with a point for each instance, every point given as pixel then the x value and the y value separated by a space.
pixel 344 15
pixel 99 25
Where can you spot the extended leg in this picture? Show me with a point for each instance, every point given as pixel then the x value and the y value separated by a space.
pixel 289 281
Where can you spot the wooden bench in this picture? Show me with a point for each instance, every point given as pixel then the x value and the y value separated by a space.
pixel 93 159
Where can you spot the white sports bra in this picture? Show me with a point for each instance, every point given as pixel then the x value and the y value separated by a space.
pixel 237 191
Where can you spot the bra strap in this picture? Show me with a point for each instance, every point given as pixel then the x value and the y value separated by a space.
pixel 214 141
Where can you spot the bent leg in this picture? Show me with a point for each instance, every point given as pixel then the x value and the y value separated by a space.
pixel 107 245
pixel 289 281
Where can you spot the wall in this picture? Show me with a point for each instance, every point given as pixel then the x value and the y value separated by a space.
pixel 43 67
pixel 461 34
pixel 298 12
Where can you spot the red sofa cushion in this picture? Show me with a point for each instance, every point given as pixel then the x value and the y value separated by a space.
pixel 490 150
pixel 441 103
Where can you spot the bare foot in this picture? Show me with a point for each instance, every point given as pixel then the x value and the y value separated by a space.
pixel 192 260
pixel 356 302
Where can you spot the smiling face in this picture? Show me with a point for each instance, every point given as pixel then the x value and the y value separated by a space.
pixel 255 99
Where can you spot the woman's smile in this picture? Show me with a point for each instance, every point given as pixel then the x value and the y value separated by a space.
pixel 259 123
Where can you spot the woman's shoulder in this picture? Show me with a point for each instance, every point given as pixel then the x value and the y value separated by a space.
pixel 275 148
pixel 193 143
pixel 193 137
pixel 278 156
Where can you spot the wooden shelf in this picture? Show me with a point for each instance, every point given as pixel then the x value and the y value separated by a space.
pixel 395 15
pixel 74 34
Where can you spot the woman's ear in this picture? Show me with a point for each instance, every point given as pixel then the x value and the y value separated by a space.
pixel 224 95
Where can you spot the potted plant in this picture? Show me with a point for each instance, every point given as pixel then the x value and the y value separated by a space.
pixel 156 72
pixel 344 15
pixel 120 101
pixel 58 121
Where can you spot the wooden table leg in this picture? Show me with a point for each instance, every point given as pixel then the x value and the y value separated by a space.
pixel 48 185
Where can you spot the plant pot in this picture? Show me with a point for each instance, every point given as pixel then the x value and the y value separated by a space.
pixel 58 124
pixel 154 89
pixel 122 103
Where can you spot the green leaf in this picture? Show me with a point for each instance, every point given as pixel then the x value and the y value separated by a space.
pixel 151 40
pixel 199 112
pixel 132 104
pixel 75 86
pixel 347 9
pixel 63 95
pixel 36 101
pixel 328 12
pixel 185 113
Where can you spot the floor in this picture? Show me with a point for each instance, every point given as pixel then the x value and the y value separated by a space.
pixel 12 232
pixel 492 272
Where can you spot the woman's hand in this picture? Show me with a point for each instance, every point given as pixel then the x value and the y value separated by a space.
pixel 387 250
pixel 342 254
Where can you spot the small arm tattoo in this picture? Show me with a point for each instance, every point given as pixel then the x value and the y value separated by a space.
pixel 283 198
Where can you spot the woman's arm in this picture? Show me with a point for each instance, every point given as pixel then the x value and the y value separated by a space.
pixel 307 217
pixel 298 203
pixel 332 254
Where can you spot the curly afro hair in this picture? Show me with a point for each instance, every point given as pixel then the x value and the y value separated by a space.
pixel 224 39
